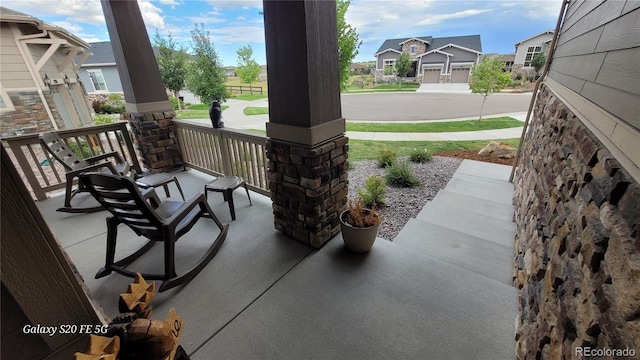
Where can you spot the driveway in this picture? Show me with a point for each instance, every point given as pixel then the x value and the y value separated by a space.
pixel 428 106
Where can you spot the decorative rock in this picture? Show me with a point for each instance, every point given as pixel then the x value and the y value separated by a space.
pixel 576 211
pixel 498 149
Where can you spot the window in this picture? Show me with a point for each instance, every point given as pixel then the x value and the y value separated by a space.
pixel 412 49
pixel 531 52
pixel 389 66
pixel 97 79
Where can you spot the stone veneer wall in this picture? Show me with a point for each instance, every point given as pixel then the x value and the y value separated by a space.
pixel 308 189
pixel 29 115
pixel 577 265
pixel 156 139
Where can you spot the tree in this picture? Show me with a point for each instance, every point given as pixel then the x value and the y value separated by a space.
pixel 248 69
pixel 348 42
pixel 172 64
pixel 488 77
pixel 538 61
pixel 205 75
pixel 403 66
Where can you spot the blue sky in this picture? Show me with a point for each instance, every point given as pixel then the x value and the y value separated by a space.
pixel 234 24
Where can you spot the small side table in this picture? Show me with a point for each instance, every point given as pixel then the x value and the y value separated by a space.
pixel 226 185
pixel 156 180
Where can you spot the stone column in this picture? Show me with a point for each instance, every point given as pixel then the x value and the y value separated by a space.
pixel 149 110
pixel 307 148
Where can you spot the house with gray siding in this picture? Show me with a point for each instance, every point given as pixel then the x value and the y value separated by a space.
pixel 527 48
pixel 435 60
pixel 100 74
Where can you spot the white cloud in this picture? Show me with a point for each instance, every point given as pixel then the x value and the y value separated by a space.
pixel 236 4
pixel 207 19
pixel 70 27
pixel 238 35
pixel 82 11
pixel 172 3
pixel 436 19
pixel 151 14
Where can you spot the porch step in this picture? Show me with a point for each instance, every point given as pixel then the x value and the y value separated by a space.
pixel 474 204
pixel 484 170
pixel 475 254
pixel 482 187
pixel 467 222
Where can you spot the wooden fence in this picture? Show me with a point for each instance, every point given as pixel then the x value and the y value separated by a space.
pixel 242 89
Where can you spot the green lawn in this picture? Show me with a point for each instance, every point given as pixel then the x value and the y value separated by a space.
pixel 435 127
pixel 200 111
pixel 249 97
pixel 383 87
pixel 256 110
pixel 368 149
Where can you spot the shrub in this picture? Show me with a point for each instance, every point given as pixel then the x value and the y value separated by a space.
pixel 115 97
pixel 400 174
pixel 97 105
pixel 85 152
pixel 375 189
pixel 358 217
pixel 420 156
pixel 386 157
pixel 174 103
pixel 101 119
pixel 112 109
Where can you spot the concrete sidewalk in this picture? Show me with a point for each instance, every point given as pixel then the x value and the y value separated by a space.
pixel 234 117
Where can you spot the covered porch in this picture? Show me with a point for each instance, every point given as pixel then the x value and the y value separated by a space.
pixel 266 296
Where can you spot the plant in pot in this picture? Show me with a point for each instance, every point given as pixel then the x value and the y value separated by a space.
pixel 359 226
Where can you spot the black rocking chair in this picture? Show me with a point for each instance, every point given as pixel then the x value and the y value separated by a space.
pixel 147 216
pixel 75 165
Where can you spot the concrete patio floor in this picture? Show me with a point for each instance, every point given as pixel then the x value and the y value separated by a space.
pixel 266 296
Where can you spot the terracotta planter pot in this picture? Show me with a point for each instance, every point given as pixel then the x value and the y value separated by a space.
pixel 357 239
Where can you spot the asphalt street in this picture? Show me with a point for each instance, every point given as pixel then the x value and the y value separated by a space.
pixel 428 106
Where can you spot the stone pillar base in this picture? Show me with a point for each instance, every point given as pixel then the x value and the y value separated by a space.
pixel 308 188
pixel 157 141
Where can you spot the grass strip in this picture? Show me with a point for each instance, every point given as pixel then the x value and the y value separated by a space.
pixel 436 127
pixel 256 110
pixel 368 149
pixel 249 97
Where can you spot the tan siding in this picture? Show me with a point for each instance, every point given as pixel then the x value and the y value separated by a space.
pixel 618 70
pixel 585 67
pixel 630 6
pixel 620 103
pixel 604 13
pixel 621 34
pixel 571 82
pixel 577 11
pixel 13 72
pixel 598 56
pixel 584 44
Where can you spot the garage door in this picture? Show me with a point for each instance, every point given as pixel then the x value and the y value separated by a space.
pixel 431 76
pixel 460 75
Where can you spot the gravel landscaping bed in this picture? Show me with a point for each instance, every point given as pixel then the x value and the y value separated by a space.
pixel 404 203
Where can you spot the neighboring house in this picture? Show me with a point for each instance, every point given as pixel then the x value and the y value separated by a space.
pixel 526 49
pixel 39 87
pixel 100 74
pixel 507 59
pixel 435 60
